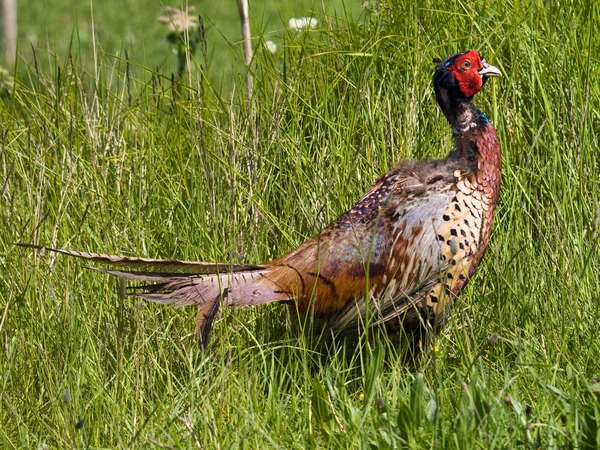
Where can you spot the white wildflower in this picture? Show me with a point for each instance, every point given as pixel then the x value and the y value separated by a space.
pixel 302 23
pixel 271 46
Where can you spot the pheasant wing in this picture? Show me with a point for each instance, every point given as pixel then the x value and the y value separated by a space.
pixel 413 251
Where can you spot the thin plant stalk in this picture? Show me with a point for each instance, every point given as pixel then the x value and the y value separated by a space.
pixel 247 46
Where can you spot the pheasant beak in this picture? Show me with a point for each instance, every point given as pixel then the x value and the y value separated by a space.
pixel 489 71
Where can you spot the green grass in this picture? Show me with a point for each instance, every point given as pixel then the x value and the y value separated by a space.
pixel 128 164
pixel 55 27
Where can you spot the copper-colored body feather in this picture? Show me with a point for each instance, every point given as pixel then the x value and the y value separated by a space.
pixel 407 247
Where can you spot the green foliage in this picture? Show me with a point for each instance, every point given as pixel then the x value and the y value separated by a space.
pixel 113 157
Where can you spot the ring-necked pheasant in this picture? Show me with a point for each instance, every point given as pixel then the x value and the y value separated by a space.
pixel 406 248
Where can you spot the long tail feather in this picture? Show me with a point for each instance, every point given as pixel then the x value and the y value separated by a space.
pixel 183 283
pixel 242 288
pixel 149 264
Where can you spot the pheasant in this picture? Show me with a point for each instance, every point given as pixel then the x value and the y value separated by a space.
pixel 397 259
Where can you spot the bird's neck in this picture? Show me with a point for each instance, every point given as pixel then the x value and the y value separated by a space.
pixel 474 136
pixel 468 123
pixel 462 115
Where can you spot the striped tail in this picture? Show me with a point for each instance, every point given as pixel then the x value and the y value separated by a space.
pixel 208 291
pixel 183 283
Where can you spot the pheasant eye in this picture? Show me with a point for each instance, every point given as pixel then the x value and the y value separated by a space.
pixel 466 64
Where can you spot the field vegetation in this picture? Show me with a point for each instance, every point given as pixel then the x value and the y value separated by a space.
pixel 111 153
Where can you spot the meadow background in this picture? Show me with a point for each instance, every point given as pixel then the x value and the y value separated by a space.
pixel 103 149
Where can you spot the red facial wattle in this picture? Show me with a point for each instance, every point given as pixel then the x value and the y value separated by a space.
pixel 466 70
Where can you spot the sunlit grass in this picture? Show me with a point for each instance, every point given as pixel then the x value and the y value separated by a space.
pixel 133 166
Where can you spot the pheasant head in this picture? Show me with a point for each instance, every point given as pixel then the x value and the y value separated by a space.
pixel 457 79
